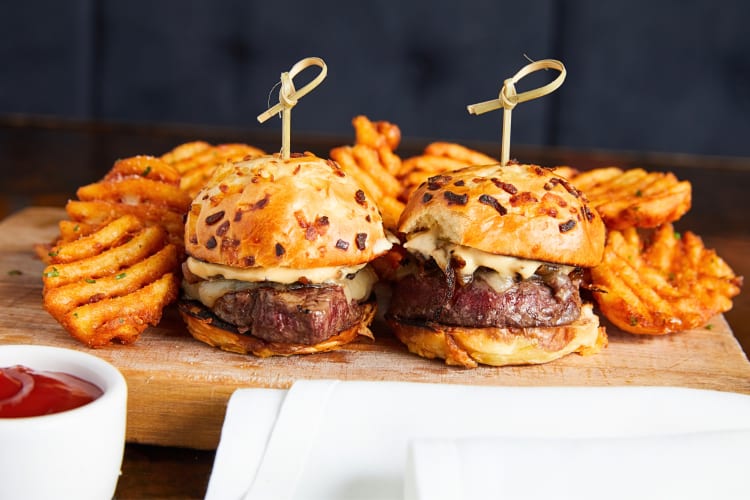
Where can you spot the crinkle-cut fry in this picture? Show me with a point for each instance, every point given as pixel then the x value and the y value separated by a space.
pixel 63 299
pixel 635 197
pixel 134 191
pixel 148 167
pixel 121 318
pixel 376 134
pixel 143 244
pixel 458 152
pixel 92 244
pixel 665 284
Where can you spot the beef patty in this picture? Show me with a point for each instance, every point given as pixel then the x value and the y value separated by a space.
pixel 296 314
pixel 548 298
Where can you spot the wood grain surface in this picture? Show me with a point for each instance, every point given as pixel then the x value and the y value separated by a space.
pixel 179 388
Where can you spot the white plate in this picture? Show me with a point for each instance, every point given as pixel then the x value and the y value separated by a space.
pixel 336 439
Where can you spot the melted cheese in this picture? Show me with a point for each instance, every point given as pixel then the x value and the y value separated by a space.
pixel 429 245
pixel 283 275
pixel 357 284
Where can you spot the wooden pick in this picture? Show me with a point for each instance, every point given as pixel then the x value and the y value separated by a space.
pixel 289 96
pixel 508 98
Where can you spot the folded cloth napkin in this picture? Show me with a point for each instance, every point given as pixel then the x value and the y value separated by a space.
pixel 698 465
pixel 327 439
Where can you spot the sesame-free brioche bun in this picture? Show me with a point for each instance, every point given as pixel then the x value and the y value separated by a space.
pixel 300 213
pixel 494 346
pixel 523 211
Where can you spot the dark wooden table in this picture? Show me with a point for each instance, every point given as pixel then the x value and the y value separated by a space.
pixel 43 161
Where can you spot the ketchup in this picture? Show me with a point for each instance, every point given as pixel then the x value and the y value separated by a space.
pixel 28 393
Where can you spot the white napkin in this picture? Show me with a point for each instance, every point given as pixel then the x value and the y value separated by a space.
pixel 331 440
pixel 699 465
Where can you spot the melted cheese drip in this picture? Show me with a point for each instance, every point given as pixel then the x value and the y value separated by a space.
pixel 429 245
pixel 357 281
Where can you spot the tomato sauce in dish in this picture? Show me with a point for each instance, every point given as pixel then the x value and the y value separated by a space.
pixel 28 393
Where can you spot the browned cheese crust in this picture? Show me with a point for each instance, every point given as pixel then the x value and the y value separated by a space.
pixel 299 213
pixel 522 211
pixel 205 327
pixel 468 347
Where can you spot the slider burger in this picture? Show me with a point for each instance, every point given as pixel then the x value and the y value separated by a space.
pixel 277 257
pixel 495 258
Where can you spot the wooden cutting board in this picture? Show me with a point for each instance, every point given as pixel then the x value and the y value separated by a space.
pixel 179 388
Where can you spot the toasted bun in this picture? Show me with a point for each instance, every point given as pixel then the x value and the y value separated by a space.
pixel 207 328
pixel 299 213
pixel 522 211
pixel 465 346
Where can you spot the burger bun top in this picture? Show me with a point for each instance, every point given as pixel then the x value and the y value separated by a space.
pixel 300 213
pixel 523 211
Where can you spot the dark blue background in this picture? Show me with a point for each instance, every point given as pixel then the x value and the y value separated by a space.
pixel 670 76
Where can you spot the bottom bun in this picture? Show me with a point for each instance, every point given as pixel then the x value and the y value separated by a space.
pixel 206 327
pixel 466 346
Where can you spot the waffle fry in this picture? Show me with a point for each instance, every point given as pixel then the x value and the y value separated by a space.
pixel 634 197
pixel 143 186
pixel 437 158
pixel 113 283
pixel 196 161
pixel 664 284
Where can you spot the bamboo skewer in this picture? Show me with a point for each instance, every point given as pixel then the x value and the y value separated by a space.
pixel 508 98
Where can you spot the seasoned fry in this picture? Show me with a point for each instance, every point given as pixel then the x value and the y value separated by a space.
pixel 371 161
pixel 143 186
pixel 87 215
pixel 344 156
pixel 390 210
pixel 179 155
pixel 196 161
pixel 121 318
pixel 391 161
pixel 64 298
pixel 148 167
pixel 667 283
pixel 112 283
pixel 376 134
pixel 100 264
pixel 368 160
pixel 88 246
pixel 134 191
pixel 634 197
pixel 437 158
pixel 458 152
pixel 71 230
pixel 565 171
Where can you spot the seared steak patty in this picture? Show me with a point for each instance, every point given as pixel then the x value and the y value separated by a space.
pixel 548 298
pixel 296 314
